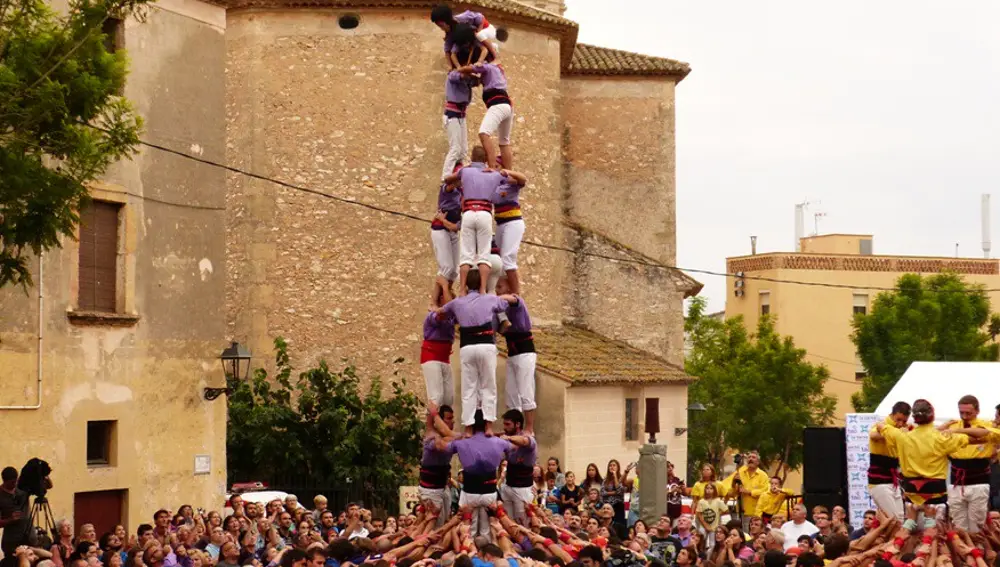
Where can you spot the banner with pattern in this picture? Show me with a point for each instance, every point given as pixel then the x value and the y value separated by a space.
pixel 858 499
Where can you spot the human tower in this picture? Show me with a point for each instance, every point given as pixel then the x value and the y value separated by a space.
pixel 474 195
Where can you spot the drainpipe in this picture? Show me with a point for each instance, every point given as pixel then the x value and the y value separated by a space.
pixel 41 326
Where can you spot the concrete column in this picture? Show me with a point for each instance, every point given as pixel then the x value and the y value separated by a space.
pixel 652 483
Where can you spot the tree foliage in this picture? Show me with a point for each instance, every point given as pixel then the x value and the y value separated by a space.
pixel 56 76
pixel 323 427
pixel 758 390
pixel 933 318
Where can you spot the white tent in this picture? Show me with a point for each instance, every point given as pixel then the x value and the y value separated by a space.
pixel 943 383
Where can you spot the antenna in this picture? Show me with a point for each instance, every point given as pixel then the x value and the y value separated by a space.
pixel 753 245
pixel 956 250
pixel 816 217
pixel 800 229
pixel 986 225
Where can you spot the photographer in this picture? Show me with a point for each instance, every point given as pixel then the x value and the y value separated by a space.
pixel 14 517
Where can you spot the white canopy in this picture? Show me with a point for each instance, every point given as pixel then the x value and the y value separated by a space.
pixel 943 383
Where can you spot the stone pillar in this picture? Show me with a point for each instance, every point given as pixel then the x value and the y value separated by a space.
pixel 652 483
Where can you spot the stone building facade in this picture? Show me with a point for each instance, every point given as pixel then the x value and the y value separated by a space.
pixel 110 393
pixel 291 89
pixel 345 96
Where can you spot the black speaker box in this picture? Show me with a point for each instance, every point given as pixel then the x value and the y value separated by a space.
pixel 824 460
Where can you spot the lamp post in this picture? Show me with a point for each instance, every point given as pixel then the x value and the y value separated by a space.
pixel 235 363
pixel 695 407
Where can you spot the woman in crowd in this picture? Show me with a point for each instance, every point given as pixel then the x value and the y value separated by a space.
pixel 697 491
pixel 717 552
pixel 555 468
pixel 737 547
pixel 66 544
pixel 616 484
pixel 593 478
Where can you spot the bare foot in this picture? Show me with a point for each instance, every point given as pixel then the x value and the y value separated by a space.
pixel 463 293
pixel 504 326
pixel 530 432
pixel 489 429
pixel 468 431
pixel 482 291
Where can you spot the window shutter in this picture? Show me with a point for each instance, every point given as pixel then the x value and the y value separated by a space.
pixel 99 257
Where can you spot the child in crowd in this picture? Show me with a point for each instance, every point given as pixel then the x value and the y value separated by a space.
pixel 709 512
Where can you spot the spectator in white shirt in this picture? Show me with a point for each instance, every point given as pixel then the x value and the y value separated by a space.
pixel 798 526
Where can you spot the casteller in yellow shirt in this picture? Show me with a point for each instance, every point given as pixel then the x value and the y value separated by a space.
pixel 923 455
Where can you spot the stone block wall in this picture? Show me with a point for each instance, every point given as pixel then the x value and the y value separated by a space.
pixel 343 112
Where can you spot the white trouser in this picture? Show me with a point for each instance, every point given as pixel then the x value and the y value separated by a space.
pixel 509 235
pixel 968 506
pixel 521 381
pixel 516 500
pixel 496 270
pixel 458 144
pixel 887 498
pixel 439 381
pixel 477 232
pixel 445 244
pixel 478 503
pixel 489 34
pixel 479 382
pixel 441 498
pixel 499 120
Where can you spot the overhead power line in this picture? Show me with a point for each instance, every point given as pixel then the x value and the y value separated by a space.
pixel 388 211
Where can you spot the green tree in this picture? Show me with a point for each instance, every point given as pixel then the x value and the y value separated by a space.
pixel 933 318
pixel 322 427
pixel 56 76
pixel 758 390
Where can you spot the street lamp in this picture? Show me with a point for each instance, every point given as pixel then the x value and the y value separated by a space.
pixel 695 407
pixel 236 363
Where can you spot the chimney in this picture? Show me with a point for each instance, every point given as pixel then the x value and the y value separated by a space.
pixel 753 245
pixel 800 227
pixel 986 225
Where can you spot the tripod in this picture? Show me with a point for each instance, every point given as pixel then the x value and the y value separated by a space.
pixel 41 519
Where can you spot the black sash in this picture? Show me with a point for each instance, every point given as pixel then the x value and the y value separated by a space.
pixel 519 343
pixel 882 469
pixel 519 475
pixel 479 484
pixel 970 472
pixel 479 335
pixel 434 476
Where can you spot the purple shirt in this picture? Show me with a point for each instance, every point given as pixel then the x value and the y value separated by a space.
pixel 469 18
pixel 474 310
pixel 449 200
pixel 507 192
pixel 491 76
pixel 478 184
pixel 437 329
pixel 432 457
pixel 457 88
pixel 523 455
pixel 520 322
pixel 480 454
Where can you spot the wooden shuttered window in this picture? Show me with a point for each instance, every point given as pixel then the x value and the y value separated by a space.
pixel 99 257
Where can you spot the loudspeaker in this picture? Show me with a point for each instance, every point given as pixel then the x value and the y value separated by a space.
pixel 824 460
pixel 827 499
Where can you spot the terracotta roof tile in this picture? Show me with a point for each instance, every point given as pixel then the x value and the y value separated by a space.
pixel 583 357
pixel 593 60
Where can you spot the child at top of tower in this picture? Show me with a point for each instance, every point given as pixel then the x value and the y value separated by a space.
pixel 484 34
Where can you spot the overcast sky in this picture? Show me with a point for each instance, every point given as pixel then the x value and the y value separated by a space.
pixel 885 112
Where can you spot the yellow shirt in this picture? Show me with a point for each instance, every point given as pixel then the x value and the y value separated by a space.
pixel 881 446
pixel 698 490
pixel 923 452
pixel 770 502
pixel 981 450
pixel 757 483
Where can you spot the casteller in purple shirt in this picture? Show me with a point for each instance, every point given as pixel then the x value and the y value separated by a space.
pixel 438 328
pixel 480 454
pixel 479 184
pixel 474 309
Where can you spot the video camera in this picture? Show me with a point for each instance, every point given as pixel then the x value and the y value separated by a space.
pixel 34 477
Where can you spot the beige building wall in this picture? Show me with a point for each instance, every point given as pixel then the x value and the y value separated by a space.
pixel 145 366
pixel 819 318
pixel 338 110
pixel 595 425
